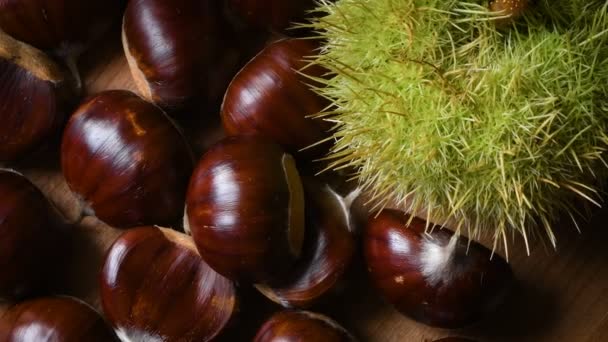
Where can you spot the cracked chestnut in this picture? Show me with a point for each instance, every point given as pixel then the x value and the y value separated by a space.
pixel 155 287
pixel 301 326
pixel 328 249
pixel 436 278
pixel 245 209
pixel 271 97
pixel 34 94
pixel 62 319
pixel 32 238
pixel 127 160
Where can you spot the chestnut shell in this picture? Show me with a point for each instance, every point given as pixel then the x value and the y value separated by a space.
pixel 126 159
pixel 155 286
pixel 58 24
pixel 271 97
pixel 54 319
pixel 418 274
pixel 302 326
pixel 32 238
pixel 245 209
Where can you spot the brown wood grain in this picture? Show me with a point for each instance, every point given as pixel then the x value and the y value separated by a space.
pixel 560 295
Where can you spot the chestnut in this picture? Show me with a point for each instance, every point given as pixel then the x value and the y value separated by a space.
pixel 328 249
pixel 62 319
pixel 155 287
pixel 32 238
pixel 434 277
pixel 178 50
pixel 302 326
pixel 454 339
pixel 271 14
pixel 271 96
pixel 127 160
pixel 62 27
pixel 34 93
pixel 245 209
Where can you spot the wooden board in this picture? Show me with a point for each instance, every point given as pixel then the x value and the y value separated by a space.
pixel 560 296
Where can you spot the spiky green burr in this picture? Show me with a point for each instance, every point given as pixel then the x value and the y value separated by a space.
pixel 436 108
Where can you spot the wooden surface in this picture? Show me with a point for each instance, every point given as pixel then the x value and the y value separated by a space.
pixel 560 296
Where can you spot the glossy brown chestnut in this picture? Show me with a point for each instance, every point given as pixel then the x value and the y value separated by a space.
pixel 328 249
pixel 177 50
pixel 245 209
pixel 271 97
pixel 31 238
pixel 54 319
pixel 156 287
pixel 302 326
pixel 127 160
pixel 63 27
pixel 435 278
pixel 33 93
pixel 272 14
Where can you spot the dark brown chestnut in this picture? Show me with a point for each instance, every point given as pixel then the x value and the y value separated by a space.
pixel 454 339
pixel 127 160
pixel 178 51
pixel 271 97
pixel 437 278
pixel 156 287
pixel 328 249
pixel 63 27
pixel 302 326
pixel 54 319
pixel 33 92
pixel 32 238
pixel 245 209
pixel 271 14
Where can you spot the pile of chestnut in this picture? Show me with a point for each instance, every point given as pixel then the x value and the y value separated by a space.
pixel 249 211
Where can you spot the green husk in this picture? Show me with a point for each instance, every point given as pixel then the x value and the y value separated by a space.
pixel 437 109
